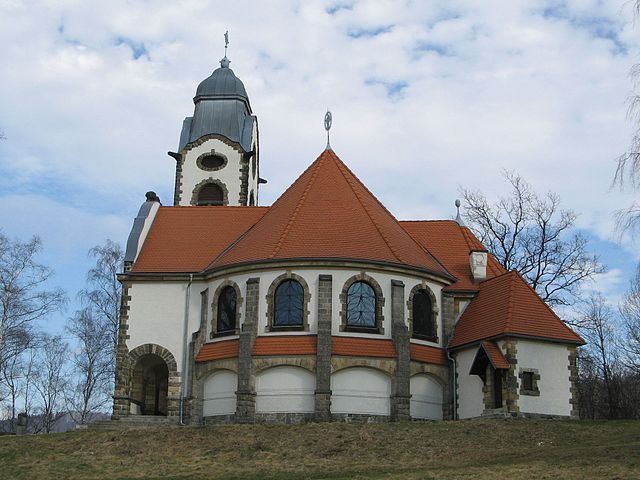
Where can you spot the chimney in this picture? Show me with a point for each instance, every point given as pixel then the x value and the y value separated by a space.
pixel 478 260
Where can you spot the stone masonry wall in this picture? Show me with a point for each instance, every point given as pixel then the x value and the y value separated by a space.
pixel 246 395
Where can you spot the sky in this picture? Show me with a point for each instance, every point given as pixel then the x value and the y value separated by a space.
pixel 427 98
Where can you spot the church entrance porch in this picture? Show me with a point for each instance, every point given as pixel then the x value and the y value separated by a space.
pixel 150 385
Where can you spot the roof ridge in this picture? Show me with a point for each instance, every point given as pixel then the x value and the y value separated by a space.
pixel 341 165
pixel 539 298
pixel 510 296
pixel 428 221
pixel 375 224
pixel 293 217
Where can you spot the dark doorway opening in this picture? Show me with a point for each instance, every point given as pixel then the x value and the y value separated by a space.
pixel 150 385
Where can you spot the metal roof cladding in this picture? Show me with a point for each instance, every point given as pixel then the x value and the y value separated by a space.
pixel 221 107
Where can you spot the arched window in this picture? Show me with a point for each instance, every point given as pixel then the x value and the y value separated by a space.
pixel 210 194
pixel 424 325
pixel 251 199
pixel 361 306
pixel 227 304
pixel 289 305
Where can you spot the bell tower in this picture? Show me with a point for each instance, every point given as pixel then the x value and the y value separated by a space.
pixel 217 162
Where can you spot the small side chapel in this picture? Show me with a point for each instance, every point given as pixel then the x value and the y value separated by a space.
pixel 322 306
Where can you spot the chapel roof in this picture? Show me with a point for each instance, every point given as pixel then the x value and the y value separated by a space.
pixel 507 306
pixel 221 108
pixel 451 244
pixel 185 239
pixel 327 213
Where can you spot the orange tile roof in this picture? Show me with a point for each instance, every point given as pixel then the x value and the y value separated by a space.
pixel 507 305
pixel 451 244
pixel 328 213
pixel 185 239
pixel 218 350
pixel 362 347
pixel 428 354
pixel 285 345
pixel 495 355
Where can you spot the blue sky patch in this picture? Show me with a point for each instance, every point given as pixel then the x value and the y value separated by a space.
pixel 369 32
pixel 336 7
pixel 138 49
pixel 394 90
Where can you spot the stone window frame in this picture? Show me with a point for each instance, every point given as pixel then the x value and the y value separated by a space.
pixel 434 312
pixel 535 377
pixel 362 277
pixel 204 303
pixel 214 310
pixel 271 293
pixel 213 152
pixel 199 186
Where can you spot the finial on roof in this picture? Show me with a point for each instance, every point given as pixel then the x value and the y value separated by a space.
pixel 224 63
pixel 327 126
pixel 458 217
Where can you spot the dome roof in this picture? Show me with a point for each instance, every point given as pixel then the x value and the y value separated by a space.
pixel 222 84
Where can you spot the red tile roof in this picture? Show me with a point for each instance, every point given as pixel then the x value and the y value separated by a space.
pixel 451 244
pixel 495 355
pixel 428 354
pixel 507 305
pixel 185 239
pixel 362 347
pixel 285 345
pixel 328 213
pixel 218 350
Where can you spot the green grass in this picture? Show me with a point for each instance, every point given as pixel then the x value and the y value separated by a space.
pixel 493 449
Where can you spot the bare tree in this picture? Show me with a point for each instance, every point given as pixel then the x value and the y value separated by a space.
pixel 630 312
pixel 104 292
pixel 531 234
pixel 92 366
pixel 600 333
pixel 51 380
pixel 23 296
pixel 628 168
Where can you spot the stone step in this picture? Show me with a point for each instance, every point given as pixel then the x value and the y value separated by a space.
pixel 135 421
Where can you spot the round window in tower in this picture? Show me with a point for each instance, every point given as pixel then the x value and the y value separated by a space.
pixel 211 161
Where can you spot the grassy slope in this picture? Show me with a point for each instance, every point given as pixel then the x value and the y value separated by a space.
pixel 481 449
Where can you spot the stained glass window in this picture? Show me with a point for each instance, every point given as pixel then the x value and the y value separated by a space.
pixel 289 304
pixel 227 310
pixel 361 305
pixel 423 324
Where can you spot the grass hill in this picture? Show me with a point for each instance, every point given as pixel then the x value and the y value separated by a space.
pixel 495 449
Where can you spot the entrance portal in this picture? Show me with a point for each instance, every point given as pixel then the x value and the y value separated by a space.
pixel 150 385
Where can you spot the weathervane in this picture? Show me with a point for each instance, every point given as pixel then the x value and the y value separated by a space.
pixel 224 63
pixel 327 126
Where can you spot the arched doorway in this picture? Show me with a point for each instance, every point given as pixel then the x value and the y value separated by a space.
pixel 150 385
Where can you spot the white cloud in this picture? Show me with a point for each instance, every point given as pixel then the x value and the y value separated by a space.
pixel 426 96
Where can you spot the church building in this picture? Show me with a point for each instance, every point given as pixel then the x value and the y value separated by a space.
pixel 322 306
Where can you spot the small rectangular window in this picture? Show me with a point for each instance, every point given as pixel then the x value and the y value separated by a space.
pixel 527 381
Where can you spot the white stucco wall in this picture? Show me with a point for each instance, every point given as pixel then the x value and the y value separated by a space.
pixel 220 393
pixel 470 396
pixel 156 315
pixel 285 389
pixel 229 175
pixel 552 362
pixel 361 390
pixel 426 397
